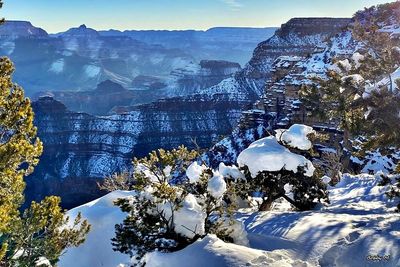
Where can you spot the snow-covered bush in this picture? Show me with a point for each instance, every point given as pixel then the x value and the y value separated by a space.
pixel 167 214
pixel 393 183
pixel 273 171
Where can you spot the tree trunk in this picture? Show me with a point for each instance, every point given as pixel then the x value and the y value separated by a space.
pixel 347 149
pixel 267 204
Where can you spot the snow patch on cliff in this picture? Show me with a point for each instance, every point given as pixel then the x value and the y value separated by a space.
pixel 57 66
pixel 92 71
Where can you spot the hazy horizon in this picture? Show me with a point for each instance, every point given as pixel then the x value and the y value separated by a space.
pixel 55 16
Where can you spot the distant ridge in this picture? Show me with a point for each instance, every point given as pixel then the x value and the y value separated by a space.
pixel 21 29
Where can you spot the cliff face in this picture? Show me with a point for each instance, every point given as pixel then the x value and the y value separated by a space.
pixel 23 29
pixel 81 57
pixel 81 149
pixel 196 77
pixel 181 82
pixel 100 101
pixel 297 37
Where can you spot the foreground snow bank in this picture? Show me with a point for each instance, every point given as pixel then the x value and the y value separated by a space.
pixel 97 249
pixel 211 251
pixel 358 228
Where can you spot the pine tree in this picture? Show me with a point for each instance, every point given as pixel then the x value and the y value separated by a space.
pixel 333 100
pixel 360 93
pixel 36 233
pixel 381 57
pixel 40 233
pixel 161 194
pixel 305 189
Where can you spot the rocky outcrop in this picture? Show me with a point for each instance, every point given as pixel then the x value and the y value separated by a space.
pixel 81 149
pixel 196 77
pixel 21 29
pixel 146 89
pixel 80 58
pixel 298 37
pixel 100 101
pixel 80 32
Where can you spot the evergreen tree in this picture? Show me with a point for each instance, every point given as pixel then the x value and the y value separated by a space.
pixel 155 212
pixel 37 233
pixel 43 232
pixel 360 93
pixel 381 58
pixel 305 191
pixel 393 184
pixel 333 100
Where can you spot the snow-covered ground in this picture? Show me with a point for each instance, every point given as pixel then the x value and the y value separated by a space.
pixel 359 225
pixel 358 228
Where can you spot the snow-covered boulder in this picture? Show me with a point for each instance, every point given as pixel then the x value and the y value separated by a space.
pixel 216 185
pixel 230 172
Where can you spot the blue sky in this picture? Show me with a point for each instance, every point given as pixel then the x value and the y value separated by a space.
pixel 59 15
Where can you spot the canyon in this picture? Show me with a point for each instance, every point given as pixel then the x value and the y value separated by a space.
pixel 81 149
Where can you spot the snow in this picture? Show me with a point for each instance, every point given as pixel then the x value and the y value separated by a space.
pixel 194 172
pixel 358 224
pixel 217 185
pixel 296 136
pixel 345 64
pixel 267 154
pixel 354 79
pixel 189 219
pixel 326 179
pixel 142 169
pixel 393 30
pixel 382 83
pixel 57 66
pixel 230 172
pixel 376 162
pixel 357 58
pixel 92 71
pixel 97 249
pixel 211 251
pixel 42 261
